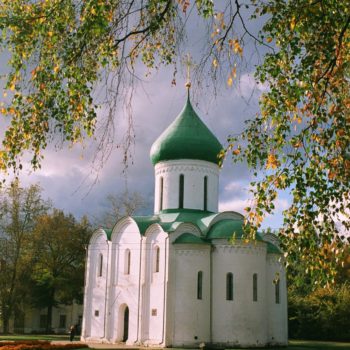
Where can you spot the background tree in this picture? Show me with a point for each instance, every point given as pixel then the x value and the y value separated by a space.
pixel 124 204
pixel 58 274
pixel 60 51
pixel 19 210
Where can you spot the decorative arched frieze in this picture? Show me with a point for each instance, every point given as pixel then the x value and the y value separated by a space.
pixel 251 249
pixel 186 165
pixel 192 250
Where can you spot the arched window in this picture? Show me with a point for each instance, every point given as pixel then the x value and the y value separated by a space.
pixel 161 182
pixel 229 286
pixel 156 257
pixel 205 206
pixel 181 191
pixel 100 265
pixel 199 285
pixel 277 291
pixel 127 262
pixel 255 287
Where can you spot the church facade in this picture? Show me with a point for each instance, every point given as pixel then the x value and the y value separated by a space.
pixel 182 276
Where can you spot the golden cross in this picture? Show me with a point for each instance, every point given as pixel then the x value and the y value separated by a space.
pixel 188 62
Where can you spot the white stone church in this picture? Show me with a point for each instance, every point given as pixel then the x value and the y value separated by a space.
pixel 177 278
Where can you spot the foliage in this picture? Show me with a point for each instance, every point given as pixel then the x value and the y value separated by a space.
pixel 58 274
pixel 124 204
pixel 61 50
pixel 300 139
pixel 321 315
pixel 19 210
pixel 42 253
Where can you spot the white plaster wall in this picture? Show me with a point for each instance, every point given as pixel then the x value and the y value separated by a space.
pixel 154 287
pixel 190 316
pixel 194 172
pixel 95 289
pixel 241 321
pixel 277 313
pixel 124 290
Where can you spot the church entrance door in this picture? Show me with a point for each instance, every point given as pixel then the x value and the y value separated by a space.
pixel 126 325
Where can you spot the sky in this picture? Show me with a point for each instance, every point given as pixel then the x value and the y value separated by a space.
pixel 68 177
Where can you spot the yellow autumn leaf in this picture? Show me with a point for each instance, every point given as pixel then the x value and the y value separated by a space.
pixel 236 152
pixel 215 62
pixel 292 24
pixel 272 162
pixel 50 34
pixel 269 39
pixel 234 72
pixel 229 81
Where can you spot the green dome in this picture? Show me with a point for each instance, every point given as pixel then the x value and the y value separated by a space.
pixel 187 137
pixel 225 229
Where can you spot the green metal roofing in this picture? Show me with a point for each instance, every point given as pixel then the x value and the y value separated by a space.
pixel 189 238
pixel 108 232
pixel 187 137
pixel 272 249
pixel 170 219
pixel 226 229
pixel 143 222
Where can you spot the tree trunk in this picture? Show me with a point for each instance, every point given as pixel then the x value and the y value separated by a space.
pixel 5 320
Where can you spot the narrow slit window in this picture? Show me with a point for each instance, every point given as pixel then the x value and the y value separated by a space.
pixel 200 285
pixel 277 291
pixel 100 265
pixel 229 286
pixel 161 183
pixel 127 262
pixel 255 287
pixel 181 191
pixel 156 259
pixel 205 206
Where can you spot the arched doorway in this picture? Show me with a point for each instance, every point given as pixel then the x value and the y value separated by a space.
pixel 126 325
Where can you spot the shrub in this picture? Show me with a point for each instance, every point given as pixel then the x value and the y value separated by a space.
pixel 323 314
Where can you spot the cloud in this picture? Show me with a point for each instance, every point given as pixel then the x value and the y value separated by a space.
pixel 249 88
pixel 234 205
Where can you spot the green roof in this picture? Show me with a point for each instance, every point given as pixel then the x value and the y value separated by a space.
pixel 272 249
pixel 108 232
pixel 189 238
pixel 187 137
pixel 170 220
pixel 226 229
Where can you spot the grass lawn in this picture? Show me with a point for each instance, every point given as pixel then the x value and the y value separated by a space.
pixel 49 337
pixel 317 345
pixel 313 345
